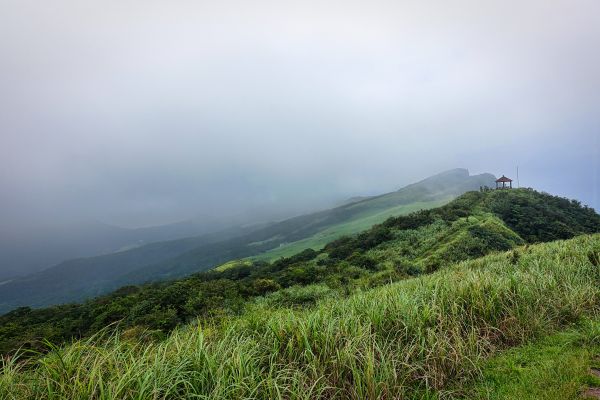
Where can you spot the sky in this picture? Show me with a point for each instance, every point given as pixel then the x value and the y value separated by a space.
pixel 138 113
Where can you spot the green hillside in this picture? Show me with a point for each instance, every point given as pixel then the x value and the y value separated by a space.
pixel 80 279
pixel 468 227
pixel 430 192
pixel 357 224
pixel 447 334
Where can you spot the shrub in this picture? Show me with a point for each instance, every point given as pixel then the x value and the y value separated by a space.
pixel 298 296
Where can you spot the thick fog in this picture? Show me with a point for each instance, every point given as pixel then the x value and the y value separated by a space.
pixel 136 113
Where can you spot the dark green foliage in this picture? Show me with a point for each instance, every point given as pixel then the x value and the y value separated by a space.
pixel 305 255
pixel 409 269
pixel 594 258
pixel 514 257
pixel 263 286
pixel 345 247
pixel 488 239
pixel 540 217
pixel 362 261
pixel 299 296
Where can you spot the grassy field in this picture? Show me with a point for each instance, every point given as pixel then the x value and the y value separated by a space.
pixel 360 223
pixel 426 337
pixel 557 367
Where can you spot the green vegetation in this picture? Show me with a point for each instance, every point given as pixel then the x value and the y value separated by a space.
pixel 80 279
pixel 233 264
pixel 360 223
pixel 397 249
pixel 553 368
pixel 426 337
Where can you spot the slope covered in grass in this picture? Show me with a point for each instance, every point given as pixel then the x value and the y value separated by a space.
pixel 360 223
pixel 399 248
pixel 417 338
pixel 558 367
pixel 430 192
pixel 79 279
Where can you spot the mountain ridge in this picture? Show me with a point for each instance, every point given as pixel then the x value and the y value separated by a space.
pixel 75 280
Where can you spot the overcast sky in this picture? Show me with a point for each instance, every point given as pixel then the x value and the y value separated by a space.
pixel 145 112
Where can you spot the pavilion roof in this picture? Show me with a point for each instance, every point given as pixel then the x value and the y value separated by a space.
pixel 503 179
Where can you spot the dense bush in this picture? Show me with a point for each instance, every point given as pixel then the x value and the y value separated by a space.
pixel 298 296
pixel 540 217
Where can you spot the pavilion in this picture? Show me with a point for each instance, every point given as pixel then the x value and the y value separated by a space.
pixel 501 183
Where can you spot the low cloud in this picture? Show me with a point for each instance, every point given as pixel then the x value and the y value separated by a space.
pixel 138 113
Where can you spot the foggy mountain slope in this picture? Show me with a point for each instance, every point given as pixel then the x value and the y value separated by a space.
pixel 24 254
pixel 470 226
pixel 83 278
pixel 428 193
pixel 424 194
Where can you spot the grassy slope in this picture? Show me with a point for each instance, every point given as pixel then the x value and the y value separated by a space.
pixel 167 305
pixel 441 243
pixel 418 338
pixel 552 368
pixel 399 248
pixel 429 193
pixel 359 223
pixel 76 280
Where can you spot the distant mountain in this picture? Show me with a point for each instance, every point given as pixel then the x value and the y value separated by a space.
pixel 351 200
pixel 79 279
pixel 24 254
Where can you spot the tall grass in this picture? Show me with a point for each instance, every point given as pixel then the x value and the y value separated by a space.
pixel 420 338
pixel 556 367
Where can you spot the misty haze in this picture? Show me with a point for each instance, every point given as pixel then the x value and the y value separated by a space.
pixel 197 163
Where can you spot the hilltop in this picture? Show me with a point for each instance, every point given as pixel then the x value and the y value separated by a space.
pixel 80 279
pixel 471 226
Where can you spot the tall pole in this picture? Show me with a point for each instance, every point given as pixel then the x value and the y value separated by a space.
pixel 518 184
